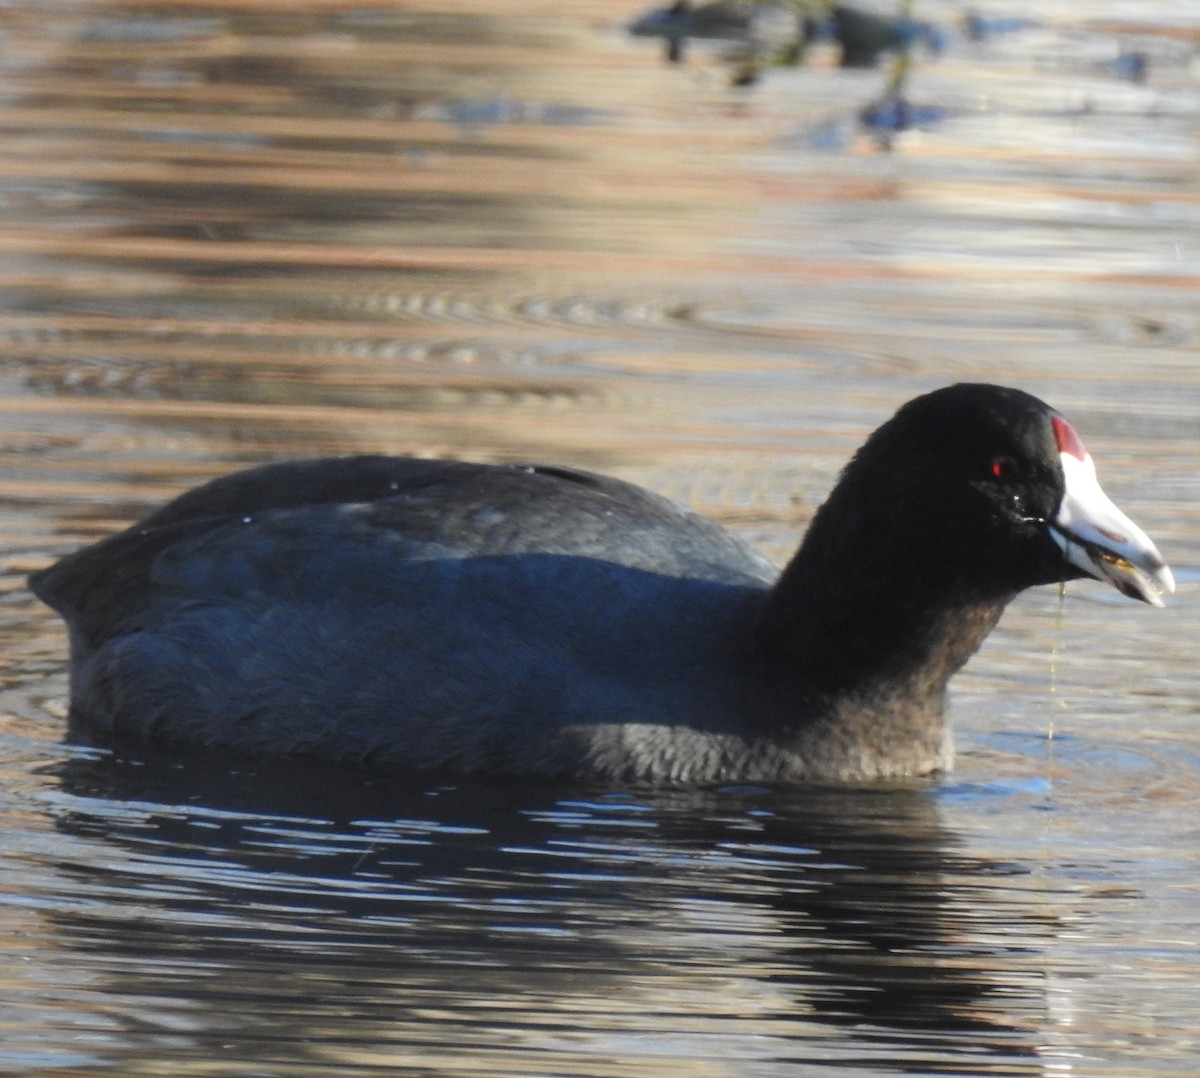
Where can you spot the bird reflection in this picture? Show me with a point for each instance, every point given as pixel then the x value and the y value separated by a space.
pixel 301 883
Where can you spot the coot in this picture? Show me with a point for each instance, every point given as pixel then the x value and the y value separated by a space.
pixel 540 621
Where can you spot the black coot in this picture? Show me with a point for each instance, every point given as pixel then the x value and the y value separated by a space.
pixel 547 622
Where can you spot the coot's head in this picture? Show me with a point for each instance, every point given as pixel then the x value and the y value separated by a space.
pixel 989 488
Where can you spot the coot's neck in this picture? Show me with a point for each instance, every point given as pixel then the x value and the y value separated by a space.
pixel 858 615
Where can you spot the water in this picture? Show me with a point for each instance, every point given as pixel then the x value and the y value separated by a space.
pixel 237 232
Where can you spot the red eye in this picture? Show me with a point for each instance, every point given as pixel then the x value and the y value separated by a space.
pixel 1002 468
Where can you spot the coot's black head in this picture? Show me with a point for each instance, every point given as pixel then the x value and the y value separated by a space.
pixel 988 489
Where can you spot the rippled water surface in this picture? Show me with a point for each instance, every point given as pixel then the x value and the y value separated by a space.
pixel 235 231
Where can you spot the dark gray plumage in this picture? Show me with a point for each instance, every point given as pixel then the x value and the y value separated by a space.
pixel 547 622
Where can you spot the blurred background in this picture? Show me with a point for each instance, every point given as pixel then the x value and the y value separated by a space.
pixel 706 248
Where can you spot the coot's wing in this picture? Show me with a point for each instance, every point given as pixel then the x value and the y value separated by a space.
pixel 448 508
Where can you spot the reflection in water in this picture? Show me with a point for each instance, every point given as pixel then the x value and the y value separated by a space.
pixel 355 907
